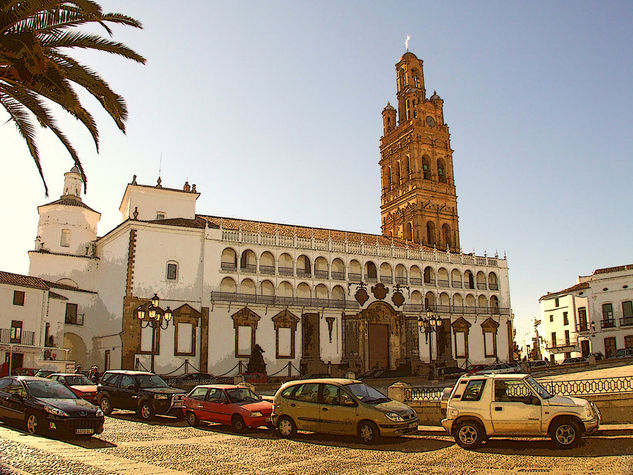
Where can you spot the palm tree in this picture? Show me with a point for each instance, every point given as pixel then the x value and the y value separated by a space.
pixel 36 69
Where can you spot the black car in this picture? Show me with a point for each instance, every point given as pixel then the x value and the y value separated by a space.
pixel 42 405
pixel 146 393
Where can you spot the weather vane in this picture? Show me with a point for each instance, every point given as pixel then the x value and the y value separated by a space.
pixel 406 42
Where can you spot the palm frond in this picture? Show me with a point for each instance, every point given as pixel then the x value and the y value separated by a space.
pixel 90 41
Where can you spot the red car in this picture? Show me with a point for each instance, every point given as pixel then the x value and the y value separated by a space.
pixel 78 384
pixel 228 404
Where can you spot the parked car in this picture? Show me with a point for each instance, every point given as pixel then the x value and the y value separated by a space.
pixel 42 373
pixel 575 360
pixel 537 363
pixel 77 383
pixel 26 371
pixel 146 393
pixel 340 406
pixel 623 353
pixel 228 404
pixel 502 368
pixel 42 405
pixel 511 405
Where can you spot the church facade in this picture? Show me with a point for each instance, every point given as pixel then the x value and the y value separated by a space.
pixel 315 300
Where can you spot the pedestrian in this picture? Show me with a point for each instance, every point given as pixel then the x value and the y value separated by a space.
pixel 94 374
pixel 78 369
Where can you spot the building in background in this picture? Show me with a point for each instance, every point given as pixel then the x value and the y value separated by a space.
pixel 316 300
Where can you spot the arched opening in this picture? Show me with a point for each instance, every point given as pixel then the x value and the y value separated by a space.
pixel 78 352
pixel 441 171
pixel 386 276
pixel 321 292
pixel 247 286
pixel 284 289
pixel 355 273
pixel 426 168
pixel 285 265
pixel 338 269
pixel 229 259
pixel 338 293
pixel 267 263
pixel 469 280
pixel 444 302
pixel 408 231
pixel 304 267
pixel 228 285
pixel 430 233
pixel 470 303
pixel 447 235
pixel 481 281
pixel 371 275
pixel 494 304
pixel 416 297
pixel 303 291
pixel 248 261
pixel 429 301
pixel 456 279
pixel 415 275
pixel 442 277
pixel 493 284
pixel 429 275
pixel 267 288
pixel 482 303
pixel 401 274
pixel 320 268
pixel 458 303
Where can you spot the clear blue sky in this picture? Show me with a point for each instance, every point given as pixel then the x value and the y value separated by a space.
pixel 273 109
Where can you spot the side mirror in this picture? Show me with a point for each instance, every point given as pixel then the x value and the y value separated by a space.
pixel 535 401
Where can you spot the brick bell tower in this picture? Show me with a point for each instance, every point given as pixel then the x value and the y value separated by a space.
pixel 418 199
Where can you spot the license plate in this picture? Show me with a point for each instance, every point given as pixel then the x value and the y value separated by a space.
pixel 84 431
pixel 412 425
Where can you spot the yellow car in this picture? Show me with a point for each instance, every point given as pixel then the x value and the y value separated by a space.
pixel 340 406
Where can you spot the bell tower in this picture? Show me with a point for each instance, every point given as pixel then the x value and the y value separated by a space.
pixel 418 199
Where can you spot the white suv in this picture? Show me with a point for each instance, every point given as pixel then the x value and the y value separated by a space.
pixel 514 405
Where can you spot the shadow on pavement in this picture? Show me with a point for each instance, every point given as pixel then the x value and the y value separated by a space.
pixel 157 420
pixel 93 442
pixel 589 447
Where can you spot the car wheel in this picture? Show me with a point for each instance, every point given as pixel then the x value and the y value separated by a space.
pixel 469 434
pixel 146 411
pixel 368 432
pixel 106 405
pixel 33 423
pixel 287 427
pixel 565 434
pixel 192 419
pixel 238 423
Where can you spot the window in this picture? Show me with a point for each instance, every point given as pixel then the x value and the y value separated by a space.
pixel 566 337
pixel 217 396
pixel 512 391
pixel 172 271
pixel 609 347
pixel 307 392
pixel 185 338
pixel 198 394
pixel 16 331
pixel 628 341
pixel 460 345
pixel 127 382
pixel 474 390
pixel 65 239
pixel 582 318
pixel 551 318
pixel 627 309
pixel 160 215
pixel 71 313
pixel 556 302
pixel 607 311
pixel 565 318
pixel 106 363
pixel 285 328
pixel 553 339
pixel 18 297
pixel 244 340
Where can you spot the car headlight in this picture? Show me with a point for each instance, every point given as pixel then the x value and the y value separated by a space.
pixel 394 417
pixel 256 414
pixel 99 413
pixel 55 411
pixel 161 396
pixel 588 412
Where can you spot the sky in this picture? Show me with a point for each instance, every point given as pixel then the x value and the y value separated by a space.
pixel 274 109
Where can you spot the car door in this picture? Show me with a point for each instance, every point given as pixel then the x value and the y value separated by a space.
pixel 515 408
pixel 4 398
pixel 126 392
pixel 338 411
pixel 15 400
pixel 305 407
pixel 215 406
pixel 195 402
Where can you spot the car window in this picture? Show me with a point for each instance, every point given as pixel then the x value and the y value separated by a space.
pixel 474 389
pixel 76 380
pixel 238 395
pixel 366 393
pixel 15 389
pixel 5 382
pixel 151 381
pixel 110 379
pixel 287 393
pixel 127 382
pixel 512 391
pixel 198 394
pixel 216 395
pixel 49 389
pixel 307 392
pixel 331 395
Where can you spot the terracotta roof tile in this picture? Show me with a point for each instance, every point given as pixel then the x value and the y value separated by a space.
pixel 70 201
pixel 180 222
pixel 580 286
pixel 22 280
pixel 606 270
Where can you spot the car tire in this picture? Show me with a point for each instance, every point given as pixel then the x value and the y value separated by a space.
pixel 33 424
pixel 469 434
pixel 287 427
pixel 565 434
pixel 237 423
pixel 192 419
pixel 146 411
pixel 106 405
pixel 368 432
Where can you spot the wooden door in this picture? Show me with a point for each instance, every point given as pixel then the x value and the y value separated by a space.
pixel 584 348
pixel 609 347
pixel 378 346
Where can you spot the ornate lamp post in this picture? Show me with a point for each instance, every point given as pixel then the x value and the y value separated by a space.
pixel 429 325
pixel 151 315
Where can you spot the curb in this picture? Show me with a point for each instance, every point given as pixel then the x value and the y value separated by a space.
pixel 605 430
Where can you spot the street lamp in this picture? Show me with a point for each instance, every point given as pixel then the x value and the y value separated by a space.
pixel 151 315
pixel 429 325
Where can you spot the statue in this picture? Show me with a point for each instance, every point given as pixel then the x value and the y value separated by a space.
pixel 256 362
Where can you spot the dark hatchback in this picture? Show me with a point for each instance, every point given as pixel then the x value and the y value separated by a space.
pixel 42 405
pixel 146 393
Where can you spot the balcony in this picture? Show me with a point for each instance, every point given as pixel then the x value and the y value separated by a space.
pixel 321 274
pixel 338 275
pixel 457 284
pixel 401 279
pixel 283 301
pixel 354 277
pixel 442 283
pixel 26 337
pixel 304 273
pixel 582 327
pixel 626 322
pixel 610 323
pixel 286 271
pixel 429 282
pixel 493 286
pixel 457 309
pixel 371 278
pixel 386 279
pixel 228 266
pixel 415 281
pixel 250 268
pixel 268 270
pixel 482 286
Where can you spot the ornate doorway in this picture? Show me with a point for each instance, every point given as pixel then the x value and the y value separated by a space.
pixel 378 342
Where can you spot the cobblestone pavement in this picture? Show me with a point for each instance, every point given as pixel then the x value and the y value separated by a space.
pixel 168 446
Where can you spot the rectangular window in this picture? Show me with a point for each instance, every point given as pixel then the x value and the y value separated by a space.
pixel 474 390
pixel 284 342
pixel 551 318
pixel 460 344
pixel 244 338
pixel 607 311
pixel 106 363
pixel 71 313
pixel 556 302
pixel 628 341
pixel 553 339
pixel 489 342
pixel 627 309
pixel 160 215
pixel 65 238
pixel 16 331
pixel 565 318
pixel 172 271
pixel 18 297
pixel 185 339
pixel 566 337
pixel 146 340
pixel 582 318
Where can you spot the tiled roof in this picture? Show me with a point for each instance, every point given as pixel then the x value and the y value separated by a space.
pixel 180 222
pixel 57 285
pixel 22 280
pixel 53 295
pixel 70 201
pixel 606 270
pixel 46 251
pixel 308 232
pixel 580 286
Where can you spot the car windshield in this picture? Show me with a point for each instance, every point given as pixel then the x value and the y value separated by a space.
pixel 241 395
pixel 151 381
pixel 78 380
pixel 49 389
pixel 538 388
pixel 366 393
